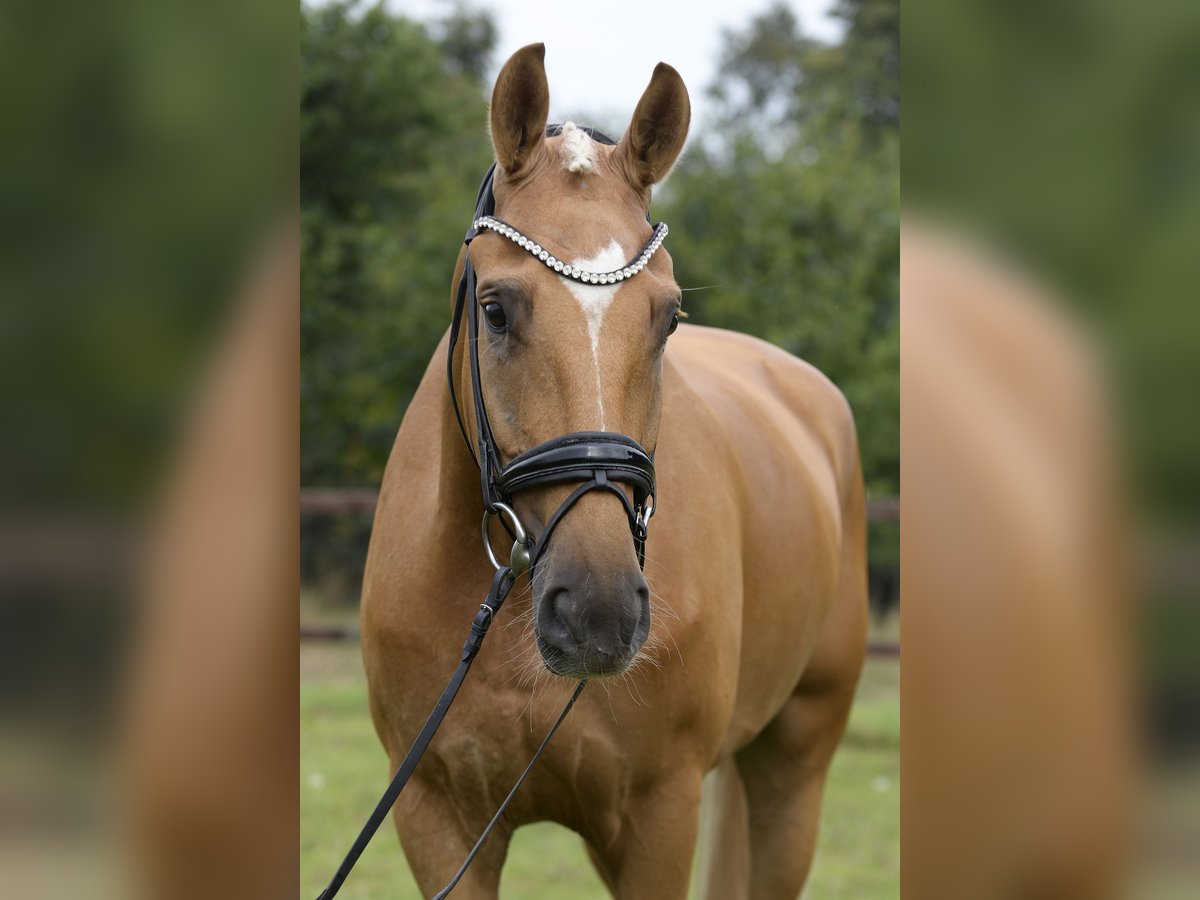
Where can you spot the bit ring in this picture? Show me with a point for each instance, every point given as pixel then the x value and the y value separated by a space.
pixel 518 560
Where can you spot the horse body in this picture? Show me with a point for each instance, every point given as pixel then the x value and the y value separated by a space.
pixel 755 565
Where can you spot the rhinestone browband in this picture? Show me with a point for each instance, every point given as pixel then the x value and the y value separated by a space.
pixel 527 243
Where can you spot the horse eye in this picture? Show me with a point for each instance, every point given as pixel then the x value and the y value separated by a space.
pixel 493 314
pixel 674 324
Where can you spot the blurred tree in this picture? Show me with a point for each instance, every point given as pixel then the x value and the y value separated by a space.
pixel 785 221
pixel 467 37
pixel 776 80
pixel 392 149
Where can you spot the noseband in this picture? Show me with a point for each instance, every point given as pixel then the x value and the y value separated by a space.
pixel 593 460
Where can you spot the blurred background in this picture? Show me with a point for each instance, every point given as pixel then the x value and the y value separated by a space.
pixel 147 172
pixel 784 216
pixel 1050 441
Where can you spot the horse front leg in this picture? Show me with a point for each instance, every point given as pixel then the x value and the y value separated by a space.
pixel 436 839
pixel 652 854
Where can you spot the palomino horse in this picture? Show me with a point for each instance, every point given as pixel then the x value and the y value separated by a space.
pixel 755 636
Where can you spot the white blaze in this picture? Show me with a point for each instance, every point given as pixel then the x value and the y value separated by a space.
pixel 594 300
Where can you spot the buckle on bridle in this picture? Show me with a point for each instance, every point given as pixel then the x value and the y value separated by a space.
pixel 518 557
pixel 641 525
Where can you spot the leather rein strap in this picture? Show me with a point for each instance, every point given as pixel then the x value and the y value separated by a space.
pixel 501 584
pixel 591 460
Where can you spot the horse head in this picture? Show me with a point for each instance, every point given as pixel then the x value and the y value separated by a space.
pixel 558 355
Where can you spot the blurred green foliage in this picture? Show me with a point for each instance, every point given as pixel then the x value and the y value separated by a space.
pixel 393 144
pixel 127 215
pixel 1068 134
pixel 784 217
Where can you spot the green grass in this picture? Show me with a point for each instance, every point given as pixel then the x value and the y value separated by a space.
pixel 343 770
pixel 858 852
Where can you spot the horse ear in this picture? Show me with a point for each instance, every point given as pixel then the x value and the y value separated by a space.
pixel 658 129
pixel 520 107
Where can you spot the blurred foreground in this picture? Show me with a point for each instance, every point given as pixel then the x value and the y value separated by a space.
pixel 1017 613
pixel 148 373
pixel 1050 482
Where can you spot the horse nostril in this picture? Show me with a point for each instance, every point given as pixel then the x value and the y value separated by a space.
pixel 565 612
pixel 629 624
pixel 593 625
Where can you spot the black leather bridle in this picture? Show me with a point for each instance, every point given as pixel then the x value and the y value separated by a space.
pixel 594 460
pixel 591 460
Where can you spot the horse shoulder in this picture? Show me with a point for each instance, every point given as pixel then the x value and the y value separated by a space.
pixel 746 379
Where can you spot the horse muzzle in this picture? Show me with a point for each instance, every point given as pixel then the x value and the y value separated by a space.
pixel 591 625
pixel 591 617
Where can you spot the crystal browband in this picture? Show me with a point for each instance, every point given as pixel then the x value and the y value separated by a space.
pixel 527 243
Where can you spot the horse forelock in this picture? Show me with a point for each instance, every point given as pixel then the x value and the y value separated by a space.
pixel 578 150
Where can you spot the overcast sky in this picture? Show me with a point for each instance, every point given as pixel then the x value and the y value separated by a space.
pixel 599 55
